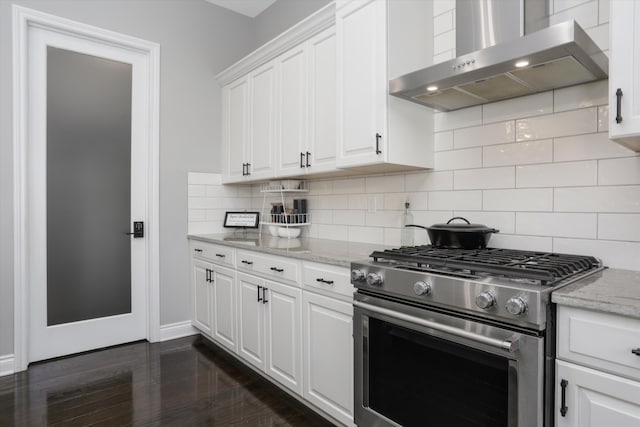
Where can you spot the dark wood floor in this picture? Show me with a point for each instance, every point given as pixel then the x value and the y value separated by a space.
pixel 176 383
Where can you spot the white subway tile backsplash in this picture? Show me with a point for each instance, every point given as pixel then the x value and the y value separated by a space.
pixel 333 232
pixel 560 5
pixel 443 141
pixel 600 35
pixel 197 190
pixel 322 216
pixel 366 234
pixel 455 200
pixel 580 225
pixel 585 14
pixel 321 187
pixel 558 174
pixel 444 42
pixel 494 133
pixel 533 200
pixel 458 159
pixel 525 243
pixel 619 227
pixel 624 255
pixel 603 11
pixel 384 184
pixel 341 217
pixel 619 171
pixel 575 122
pixel 429 181
pixel 581 96
pixel 195 178
pixel 518 153
pixel 518 108
pixel 444 56
pixel 443 6
pixel 428 218
pixel 465 117
pixel 603 118
pixel 197 215
pixel 621 199
pixel 443 23
pixel 472 179
pixel 361 201
pixel 383 219
pixel 503 221
pixel 333 202
pixel 395 201
pixel 391 237
pixel 348 186
pixel 586 147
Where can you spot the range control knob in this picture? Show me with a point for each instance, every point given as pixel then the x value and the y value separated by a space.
pixel 516 306
pixel 374 279
pixel 357 275
pixel 422 288
pixel 486 300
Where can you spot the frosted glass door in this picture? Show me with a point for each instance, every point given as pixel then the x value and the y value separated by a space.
pixel 88 186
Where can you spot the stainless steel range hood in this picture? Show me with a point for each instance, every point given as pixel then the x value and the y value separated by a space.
pixel 557 56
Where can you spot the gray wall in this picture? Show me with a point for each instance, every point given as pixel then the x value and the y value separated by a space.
pixel 197 40
pixel 281 15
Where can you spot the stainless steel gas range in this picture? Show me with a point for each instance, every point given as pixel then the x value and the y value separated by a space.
pixel 454 337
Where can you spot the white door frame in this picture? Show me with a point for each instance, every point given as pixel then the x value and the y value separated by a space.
pixel 23 18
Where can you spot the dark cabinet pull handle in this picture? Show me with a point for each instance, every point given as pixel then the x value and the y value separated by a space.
pixel 264 295
pixel 618 105
pixel 563 398
pixel 378 136
pixel 209 278
pixel 247 262
pixel 636 351
pixel 244 171
pixel 221 255
pixel 301 158
pixel 307 162
pixel 248 173
pixel 197 250
pixel 259 299
pixel 279 270
pixel 328 282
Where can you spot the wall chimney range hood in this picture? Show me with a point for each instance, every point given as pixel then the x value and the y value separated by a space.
pixel 496 61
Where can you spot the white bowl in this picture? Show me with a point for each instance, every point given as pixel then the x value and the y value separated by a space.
pixel 273 230
pixel 289 233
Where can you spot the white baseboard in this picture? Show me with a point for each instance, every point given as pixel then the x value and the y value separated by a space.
pixel 7 365
pixel 177 330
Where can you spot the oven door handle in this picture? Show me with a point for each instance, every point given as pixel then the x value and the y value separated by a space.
pixel 507 345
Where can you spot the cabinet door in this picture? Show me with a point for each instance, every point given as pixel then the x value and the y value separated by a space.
pixel 235 128
pixel 362 82
pixel 328 355
pixel 200 271
pixel 223 302
pixel 322 102
pixel 251 345
pixel 284 340
pixel 624 72
pixel 263 118
pixel 595 399
pixel 292 101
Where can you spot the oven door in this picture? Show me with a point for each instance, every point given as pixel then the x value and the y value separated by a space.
pixel 416 367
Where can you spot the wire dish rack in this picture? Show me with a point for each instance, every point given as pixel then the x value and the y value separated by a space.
pixel 283 224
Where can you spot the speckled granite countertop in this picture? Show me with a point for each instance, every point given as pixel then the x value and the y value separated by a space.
pixel 611 291
pixel 335 252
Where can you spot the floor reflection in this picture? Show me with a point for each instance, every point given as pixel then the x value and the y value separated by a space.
pixel 179 382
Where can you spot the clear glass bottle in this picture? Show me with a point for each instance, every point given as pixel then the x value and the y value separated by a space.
pixel 406 233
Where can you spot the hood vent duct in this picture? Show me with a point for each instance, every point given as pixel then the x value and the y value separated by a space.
pixel 498 59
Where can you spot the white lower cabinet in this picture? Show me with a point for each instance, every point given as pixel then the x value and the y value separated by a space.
pixel 270 331
pixel 595 399
pixel 200 274
pixel 598 369
pixel 223 303
pixel 328 349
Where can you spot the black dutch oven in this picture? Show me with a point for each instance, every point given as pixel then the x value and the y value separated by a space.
pixel 458 235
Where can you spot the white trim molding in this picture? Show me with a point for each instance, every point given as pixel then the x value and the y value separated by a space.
pixel 304 30
pixel 7 365
pixel 177 330
pixel 23 19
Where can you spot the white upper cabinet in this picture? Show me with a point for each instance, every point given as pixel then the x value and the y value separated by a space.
pixel 624 73
pixel 374 130
pixel 307 107
pixel 235 128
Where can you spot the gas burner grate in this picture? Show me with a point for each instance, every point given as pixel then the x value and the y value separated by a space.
pixel 545 267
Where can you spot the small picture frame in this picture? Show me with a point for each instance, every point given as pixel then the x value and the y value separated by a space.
pixel 241 219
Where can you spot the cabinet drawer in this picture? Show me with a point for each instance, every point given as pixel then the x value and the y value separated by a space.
pixel 219 254
pixel 599 340
pixel 269 266
pixel 327 277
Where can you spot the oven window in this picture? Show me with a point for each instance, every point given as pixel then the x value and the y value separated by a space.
pixel 419 380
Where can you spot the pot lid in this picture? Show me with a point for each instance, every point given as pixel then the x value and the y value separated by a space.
pixel 466 226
